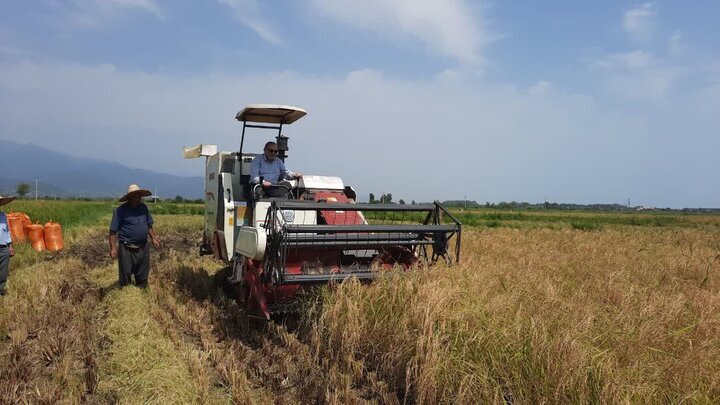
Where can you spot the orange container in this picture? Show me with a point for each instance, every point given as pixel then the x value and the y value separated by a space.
pixel 39 246
pixel 17 230
pixel 36 237
pixel 53 237
pixel 25 219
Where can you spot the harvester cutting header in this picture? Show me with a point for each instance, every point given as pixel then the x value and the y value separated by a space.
pixel 308 230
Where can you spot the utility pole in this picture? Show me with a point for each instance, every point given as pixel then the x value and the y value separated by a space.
pixel 36 187
pixel 465 201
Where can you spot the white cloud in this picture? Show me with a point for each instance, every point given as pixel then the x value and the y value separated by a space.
pixel 635 60
pixel 640 22
pixel 648 85
pixel 449 75
pixel 147 5
pixel 540 88
pixel 88 12
pixel 96 14
pixel 451 28
pixel 12 51
pixel 247 12
pixel 419 140
pixel 675 44
pixel 638 75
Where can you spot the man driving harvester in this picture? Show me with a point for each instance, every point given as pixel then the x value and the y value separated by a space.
pixel 267 170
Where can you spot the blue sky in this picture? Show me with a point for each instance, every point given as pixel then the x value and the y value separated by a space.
pixel 574 101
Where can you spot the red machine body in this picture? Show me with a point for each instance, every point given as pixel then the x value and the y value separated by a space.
pixel 272 285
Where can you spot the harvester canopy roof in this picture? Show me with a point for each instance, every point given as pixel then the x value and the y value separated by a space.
pixel 271 114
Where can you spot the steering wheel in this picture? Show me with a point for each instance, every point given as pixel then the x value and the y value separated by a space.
pixel 259 190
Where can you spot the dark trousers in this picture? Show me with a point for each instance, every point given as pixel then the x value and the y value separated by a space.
pixel 4 264
pixel 134 262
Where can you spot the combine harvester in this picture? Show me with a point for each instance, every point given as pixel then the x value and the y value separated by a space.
pixel 317 234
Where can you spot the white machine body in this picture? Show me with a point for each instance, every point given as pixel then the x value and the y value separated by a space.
pixel 231 226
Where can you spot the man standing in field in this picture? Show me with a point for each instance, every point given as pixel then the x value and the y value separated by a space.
pixel 130 227
pixel 6 247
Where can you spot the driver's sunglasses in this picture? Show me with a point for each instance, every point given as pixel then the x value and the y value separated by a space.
pixel 272 150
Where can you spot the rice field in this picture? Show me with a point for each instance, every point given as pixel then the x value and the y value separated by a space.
pixel 544 308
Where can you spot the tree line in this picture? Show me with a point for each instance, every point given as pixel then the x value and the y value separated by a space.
pixel 386 199
pixel 22 190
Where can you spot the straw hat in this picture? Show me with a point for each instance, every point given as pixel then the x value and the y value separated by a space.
pixel 135 189
pixel 6 200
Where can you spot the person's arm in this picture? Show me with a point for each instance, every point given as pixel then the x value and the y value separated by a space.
pixel 151 232
pixel 255 170
pixel 11 249
pixel 287 174
pixel 112 240
pixel 112 236
pixel 153 238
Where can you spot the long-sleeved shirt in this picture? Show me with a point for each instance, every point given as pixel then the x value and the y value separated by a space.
pixel 5 236
pixel 269 170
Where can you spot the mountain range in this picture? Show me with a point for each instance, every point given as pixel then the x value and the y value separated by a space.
pixel 62 175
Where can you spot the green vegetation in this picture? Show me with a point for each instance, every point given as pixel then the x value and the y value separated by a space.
pixel 385 217
pixel 71 214
pixel 586 225
pixel 68 213
pixel 574 220
pixel 552 219
pixel 22 189
pixel 165 208
pixel 384 199
pixel 549 220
